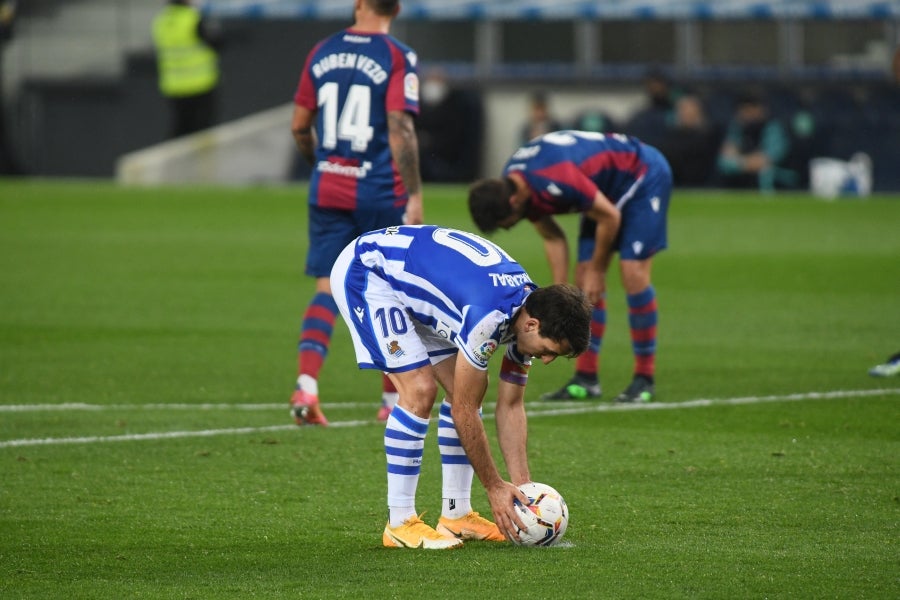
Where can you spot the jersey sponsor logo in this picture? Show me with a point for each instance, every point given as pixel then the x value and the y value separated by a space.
pixel 323 166
pixel 411 87
pixel 357 39
pixel 394 349
pixel 350 60
pixel 360 312
pixel 509 280
pixel 485 350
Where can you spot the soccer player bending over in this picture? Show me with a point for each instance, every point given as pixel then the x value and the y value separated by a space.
pixel 430 306
pixel 621 187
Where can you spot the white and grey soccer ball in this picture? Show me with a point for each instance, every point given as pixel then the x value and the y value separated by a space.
pixel 546 518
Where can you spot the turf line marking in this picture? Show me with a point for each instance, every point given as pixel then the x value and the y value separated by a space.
pixel 82 406
pixel 165 435
pixel 567 408
pixel 573 407
pixel 582 405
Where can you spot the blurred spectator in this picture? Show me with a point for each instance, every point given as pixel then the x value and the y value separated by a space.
pixel 7 18
pixel 650 122
pixel 691 143
pixel 540 120
pixel 188 65
pixel 806 140
pixel 593 120
pixel 895 65
pixel 8 165
pixel 450 126
pixel 659 90
pixel 754 148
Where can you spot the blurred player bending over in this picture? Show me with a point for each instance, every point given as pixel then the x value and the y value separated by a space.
pixel 430 306
pixel 360 89
pixel 621 187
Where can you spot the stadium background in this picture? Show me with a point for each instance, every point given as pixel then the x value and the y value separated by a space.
pixel 79 77
pixel 148 335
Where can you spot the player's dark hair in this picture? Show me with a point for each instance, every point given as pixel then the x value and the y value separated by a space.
pixel 564 313
pixel 489 202
pixel 385 8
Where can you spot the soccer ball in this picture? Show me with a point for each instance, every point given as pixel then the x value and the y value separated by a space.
pixel 546 518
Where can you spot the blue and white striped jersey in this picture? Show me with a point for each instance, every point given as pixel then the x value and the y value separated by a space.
pixel 465 288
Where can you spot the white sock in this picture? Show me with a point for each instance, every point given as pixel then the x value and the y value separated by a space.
pixel 404 446
pixel 389 399
pixel 308 384
pixel 456 470
pixel 398 514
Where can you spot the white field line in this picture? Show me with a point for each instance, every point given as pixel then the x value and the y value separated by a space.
pixel 157 406
pixel 547 409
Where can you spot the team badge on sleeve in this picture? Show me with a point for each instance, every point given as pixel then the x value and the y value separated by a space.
pixel 485 350
pixel 411 87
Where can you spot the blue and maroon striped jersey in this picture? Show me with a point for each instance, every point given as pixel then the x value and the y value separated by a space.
pixel 353 80
pixel 564 170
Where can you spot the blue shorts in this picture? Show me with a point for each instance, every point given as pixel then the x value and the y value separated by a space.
pixel 642 232
pixel 330 230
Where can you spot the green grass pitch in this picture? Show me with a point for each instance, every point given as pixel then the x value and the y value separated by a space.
pixel 147 354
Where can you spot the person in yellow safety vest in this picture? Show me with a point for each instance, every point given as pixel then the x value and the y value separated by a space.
pixel 8 163
pixel 188 65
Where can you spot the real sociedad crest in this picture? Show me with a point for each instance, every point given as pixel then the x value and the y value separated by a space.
pixel 394 349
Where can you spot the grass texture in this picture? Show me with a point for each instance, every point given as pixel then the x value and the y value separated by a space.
pixel 147 354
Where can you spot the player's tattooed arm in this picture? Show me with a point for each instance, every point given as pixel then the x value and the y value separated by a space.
pixel 405 151
pixel 405 148
pixel 304 135
pixel 306 143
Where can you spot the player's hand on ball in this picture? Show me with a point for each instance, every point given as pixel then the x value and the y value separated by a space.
pixel 506 517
